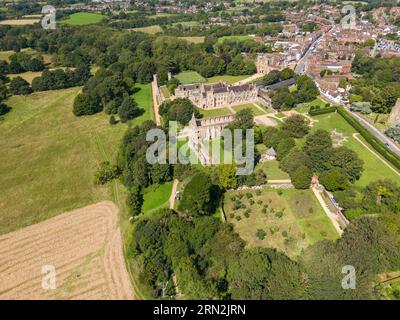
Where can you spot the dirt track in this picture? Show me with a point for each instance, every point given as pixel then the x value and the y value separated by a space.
pixel 83 245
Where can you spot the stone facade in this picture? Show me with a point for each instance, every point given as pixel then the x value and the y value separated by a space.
pixel 217 95
pixel 206 129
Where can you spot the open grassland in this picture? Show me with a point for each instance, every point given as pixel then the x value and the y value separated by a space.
pixel 292 220
pixel 48 158
pixel 83 18
pixel 150 29
pixel 28 76
pixel 374 168
pixel 85 248
pixel 19 22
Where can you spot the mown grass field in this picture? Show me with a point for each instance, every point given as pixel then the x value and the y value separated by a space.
pixel 83 18
pixel 305 107
pixel 156 197
pixel 188 77
pixel 214 112
pixel 49 156
pixel 227 78
pixel 143 98
pixel 292 220
pixel 374 168
pixel 272 170
pixel 256 111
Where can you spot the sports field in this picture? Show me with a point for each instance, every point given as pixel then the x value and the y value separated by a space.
pixel 83 18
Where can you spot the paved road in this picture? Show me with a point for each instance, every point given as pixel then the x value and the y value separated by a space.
pixel 377 134
pixel 301 65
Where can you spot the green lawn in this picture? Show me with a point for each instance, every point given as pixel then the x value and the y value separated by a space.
pixel 252 107
pixel 187 23
pixel 188 77
pixel 214 112
pixel 165 92
pixel 272 170
pixel 156 197
pixel 48 157
pixel 302 223
pixel 83 18
pixel 305 107
pixel 227 78
pixel 144 100
pixel 374 168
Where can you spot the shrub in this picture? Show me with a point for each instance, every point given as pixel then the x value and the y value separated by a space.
pixel 285 234
pixel 261 234
pixel 279 214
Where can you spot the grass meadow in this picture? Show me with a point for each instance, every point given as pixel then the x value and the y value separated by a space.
pixel 49 156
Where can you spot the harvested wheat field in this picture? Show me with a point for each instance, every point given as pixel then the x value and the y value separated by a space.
pixel 83 245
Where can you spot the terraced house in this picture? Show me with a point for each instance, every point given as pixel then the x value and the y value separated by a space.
pixel 217 95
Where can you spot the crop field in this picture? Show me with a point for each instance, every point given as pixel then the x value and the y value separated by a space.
pixel 83 18
pixel 374 168
pixel 290 219
pixel 48 157
pixel 150 29
pixel 193 39
pixel 19 22
pixel 235 38
pixel 85 248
